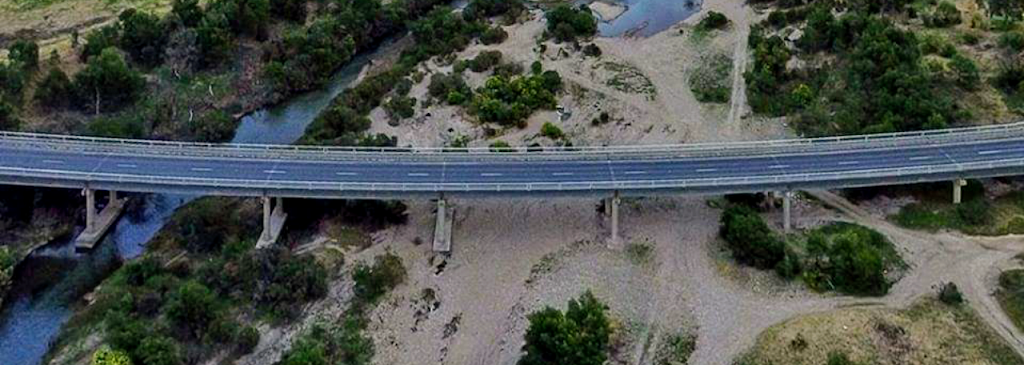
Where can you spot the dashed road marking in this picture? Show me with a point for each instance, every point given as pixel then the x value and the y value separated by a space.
pixel 848 162
pixel 127 165
pixel 490 174
pixel 778 166
pixel 919 158
pixel 637 172
pixel 201 169
pixel 273 171
pixel 707 170
pixel 53 161
pixel 989 152
pixel 346 173
pixel 562 174
pixel 418 174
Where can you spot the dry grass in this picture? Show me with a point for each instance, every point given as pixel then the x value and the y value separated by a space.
pixel 928 332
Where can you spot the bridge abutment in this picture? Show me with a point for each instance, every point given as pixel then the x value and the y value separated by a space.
pixel 273 221
pixel 98 223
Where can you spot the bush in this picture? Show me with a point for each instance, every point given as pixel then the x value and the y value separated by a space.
pixel 485 61
pixel 282 282
pixel 400 107
pixel 750 239
pixel 248 339
pixel 107 82
pixel 1013 41
pixel 566 23
pixel 580 336
pixel 325 344
pixel 187 12
pixel 442 85
pixel 714 20
pixel 509 101
pixel 944 15
pixel 12 82
pixel 592 50
pixel 373 281
pixel 965 72
pixel 857 266
pixel 193 308
pixel 55 90
pixel 710 81
pixel 1010 77
pixel 8 119
pixel 158 350
pixel 500 146
pixel 215 126
pixel 117 126
pixel 100 39
pixel 143 37
pixel 551 131
pixel 974 212
pixel 25 54
pixel 950 294
pixel 478 9
pixel 493 35
pixel 107 356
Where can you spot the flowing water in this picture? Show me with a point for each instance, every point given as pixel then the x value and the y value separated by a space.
pixel 55 277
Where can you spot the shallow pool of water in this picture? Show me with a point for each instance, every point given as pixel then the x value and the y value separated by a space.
pixel 648 17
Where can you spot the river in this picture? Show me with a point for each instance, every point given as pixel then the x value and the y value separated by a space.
pixel 648 17
pixel 53 278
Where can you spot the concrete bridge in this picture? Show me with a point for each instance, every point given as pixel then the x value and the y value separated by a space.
pixel 285 171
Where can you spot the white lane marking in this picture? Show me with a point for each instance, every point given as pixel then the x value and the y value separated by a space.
pixel 562 174
pixel 707 170
pixel 202 169
pixel 127 165
pixel 273 171
pixel 848 162
pixel 345 173
pixel 989 152
pixel 53 161
pixel 778 166
pixel 490 174
pixel 919 158
pixel 635 172
pixel 418 174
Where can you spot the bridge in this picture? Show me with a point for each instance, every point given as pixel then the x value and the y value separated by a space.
pixel 612 172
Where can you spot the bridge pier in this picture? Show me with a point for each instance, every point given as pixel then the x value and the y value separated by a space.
pixel 98 223
pixel 443 227
pixel 958 184
pixel 786 211
pixel 612 207
pixel 273 221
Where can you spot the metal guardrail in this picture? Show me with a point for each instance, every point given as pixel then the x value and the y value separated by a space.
pixel 151 147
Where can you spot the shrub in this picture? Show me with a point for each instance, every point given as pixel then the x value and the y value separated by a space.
pixel 714 20
pixel 442 85
pixel 579 336
pixel 508 69
pixel 750 239
pixel 142 36
pixel 248 339
pixel 117 126
pixel 478 9
pixel 485 61
pixel 158 350
pixel 493 35
pixel 1012 9
pixel 1013 41
pixel 1010 77
pixel 592 50
pixel 965 72
pixel 857 266
pixel 975 212
pixel 215 126
pixel 283 282
pixel 551 131
pixel 326 344
pixel 373 281
pixel 187 12
pixel 500 146
pixel 12 82
pixel 100 39
pixel 55 90
pixel 25 54
pixel 106 356
pixel 839 358
pixel 193 307
pixel 566 23
pixel 107 82
pixel 8 119
pixel 709 81
pixel 400 107
pixel 950 294
pixel 510 101
pixel 944 15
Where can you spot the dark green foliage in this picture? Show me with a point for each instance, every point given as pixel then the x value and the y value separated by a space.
pixel 566 23
pixel 326 344
pixel 580 336
pixel 1012 41
pixel 157 350
pixel 8 118
pixel 55 90
pixel 214 38
pixel 100 39
pixel 215 126
pixel 510 101
pixel 485 61
pixel 857 266
pixel 282 282
pixel 311 56
pixel 400 107
pixel 1013 9
pixel 187 12
pixel 117 126
pixel 1010 294
pixel 294 10
pixel 205 225
pixel 246 17
pixel 768 74
pixel 1010 77
pixel 479 9
pixel 839 358
pixel 248 338
pixel 965 72
pixel 107 83
pixel 493 35
pixel 508 69
pixel 974 212
pixel 443 85
pixel 551 131
pixel 714 20
pixel 339 122
pixel 12 82
pixel 373 281
pixel 192 308
pixel 944 15
pixel 750 239
pixel 142 36
pixel 950 294
pixel 592 50
pixel 25 54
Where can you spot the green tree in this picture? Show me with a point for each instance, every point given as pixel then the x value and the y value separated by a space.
pixel 106 356
pixel 857 266
pixel 142 36
pixel 158 350
pixel 24 53
pixel 193 307
pixel 580 336
pixel 107 82
pixel 55 90
pixel 8 118
pixel 566 23
pixel 188 12
pixel 749 238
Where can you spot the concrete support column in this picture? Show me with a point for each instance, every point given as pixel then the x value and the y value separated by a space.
pixel 786 211
pixel 112 197
pixel 957 193
pixel 266 217
pixel 90 209
pixel 615 220
pixel 443 227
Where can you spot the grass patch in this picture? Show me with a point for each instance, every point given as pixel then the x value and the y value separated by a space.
pixel 639 253
pixel 628 79
pixel 676 349
pixel 926 333
pixel 709 80
pixel 977 214
pixel 1010 294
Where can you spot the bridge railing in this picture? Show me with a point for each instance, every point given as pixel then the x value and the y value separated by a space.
pixel 152 147
pixel 826 178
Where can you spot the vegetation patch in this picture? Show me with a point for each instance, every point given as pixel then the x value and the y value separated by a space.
pixel 843 257
pixel 977 213
pixel 928 332
pixel 710 79
pixel 1010 294
pixel 566 23
pixel 628 79
pixel 580 335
